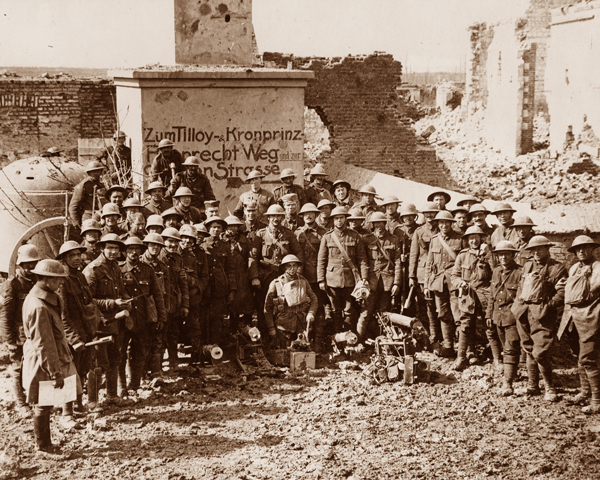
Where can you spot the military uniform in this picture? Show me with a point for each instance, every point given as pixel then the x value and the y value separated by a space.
pixel 385 271
pixel 222 281
pixel 282 190
pixel 91 254
pixel 156 208
pixel 157 338
pixel 292 222
pixel 288 321
pixel 501 233
pixel 251 229
pixel 121 155
pixel 12 295
pixel 117 230
pixel 419 249
pixel 314 194
pixel 245 270
pixel 523 255
pixel 80 207
pixel 337 274
pixel 191 215
pixel 437 273
pixel 367 209
pixel 263 199
pixel 199 185
pixel 160 169
pixel 324 224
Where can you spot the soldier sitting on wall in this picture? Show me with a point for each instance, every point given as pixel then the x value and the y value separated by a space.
pixel 195 181
pixel 161 165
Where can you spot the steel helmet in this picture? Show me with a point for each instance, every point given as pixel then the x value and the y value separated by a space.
pixel 468 198
pixel 318 170
pixel 28 253
pixel 389 200
pixel 154 238
pixel 340 211
pixel 430 207
pixel 90 225
pixel 523 221
pixel 408 209
pixel 49 268
pixel 70 246
pixel 183 192
pixel 473 230
pixel 340 182
pixel 192 162
pixel 187 230
pixel 503 207
pixel 478 207
pixel 119 134
pixel 505 246
pixel 275 210
pixel 111 238
pixel 132 203
pixel 368 189
pixel 254 174
pixel 171 233
pixel 538 241
pixel 290 259
pixel 377 217
pixel 324 203
pixel 134 241
pixel 155 221
pixel 444 215
pixel 214 219
pixel 446 195
pixel 171 212
pixel 582 240
pixel 110 209
pixel 233 220
pixel 158 185
pixel 459 209
pixel 287 172
pixel 115 188
pixel 212 203
pixel 201 229
pixel 94 165
pixel 354 214
pixel 165 143
pixel 309 208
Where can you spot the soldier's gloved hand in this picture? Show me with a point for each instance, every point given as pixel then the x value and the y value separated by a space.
pixel 395 290
pixel 411 282
pixel 184 312
pixel 489 322
pixel 322 286
pixel 79 347
pixel 256 282
pixel 59 380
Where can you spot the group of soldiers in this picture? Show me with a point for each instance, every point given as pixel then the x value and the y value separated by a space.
pixel 168 271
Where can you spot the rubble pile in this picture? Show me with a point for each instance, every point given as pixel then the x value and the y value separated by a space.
pixel 532 178
pixel 314 150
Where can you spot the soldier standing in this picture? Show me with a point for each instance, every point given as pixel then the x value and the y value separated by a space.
pixel 390 207
pixel 504 213
pixel 82 202
pixel 290 304
pixel 309 238
pixel 156 203
pixel 385 274
pixel 111 216
pixel 147 309
pixel 291 207
pixel 356 221
pixel 341 193
pixel 287 179
pixel 316 190
pixel 324 219
pixel 183 201
pixel 12 295
pixel 172 218
pixel 161 165
pixel 117 157
pixel 540 296
pixel 440 198
pixel 341 264
pixel 582 319
pixel 257 195
pixel 443 250
pixel 523 227
pixel 502 294
pixel 155 224
pixel 193 179
pixel 105 280
pixel 252 222
pixel 367 204
pixel 90 231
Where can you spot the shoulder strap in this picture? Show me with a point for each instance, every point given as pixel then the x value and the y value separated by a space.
pixel 385 254
pixel 312 249
pixel 450 252
pixel 342 250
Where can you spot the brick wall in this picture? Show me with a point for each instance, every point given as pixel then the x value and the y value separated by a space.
pixel 36 114
pixel 357 101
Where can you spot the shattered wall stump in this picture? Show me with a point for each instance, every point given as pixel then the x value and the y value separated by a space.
pixel 233 119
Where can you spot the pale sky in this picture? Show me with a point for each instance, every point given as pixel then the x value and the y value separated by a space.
pixel 425 35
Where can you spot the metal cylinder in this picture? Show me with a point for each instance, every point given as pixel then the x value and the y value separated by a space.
pixel 213 350
pixel 401 320
pixel 349 338
pixel 252 333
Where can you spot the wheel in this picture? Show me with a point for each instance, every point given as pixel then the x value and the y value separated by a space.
pixel 48 235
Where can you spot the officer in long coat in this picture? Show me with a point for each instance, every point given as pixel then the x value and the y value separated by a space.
pixel 540 297
pixel 339 271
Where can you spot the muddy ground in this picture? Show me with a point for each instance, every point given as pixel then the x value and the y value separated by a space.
pixel 328 423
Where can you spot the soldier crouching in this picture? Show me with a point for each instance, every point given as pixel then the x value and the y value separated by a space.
pixel 290 304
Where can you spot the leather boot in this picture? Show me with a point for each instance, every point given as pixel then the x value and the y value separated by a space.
pixel 584 387
pixel 93 378
pixel 461 361
pixel 156 364
pixel 533 374
pixel 593 376
pixel 510 373
pixel 122 389
pixel 496 349
pixel 447 326
pixel 67 420
pixel 38 432
pixel 173 360
pixel 136 377
pixel 434 328
pixel 111 384
pixel 546 371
